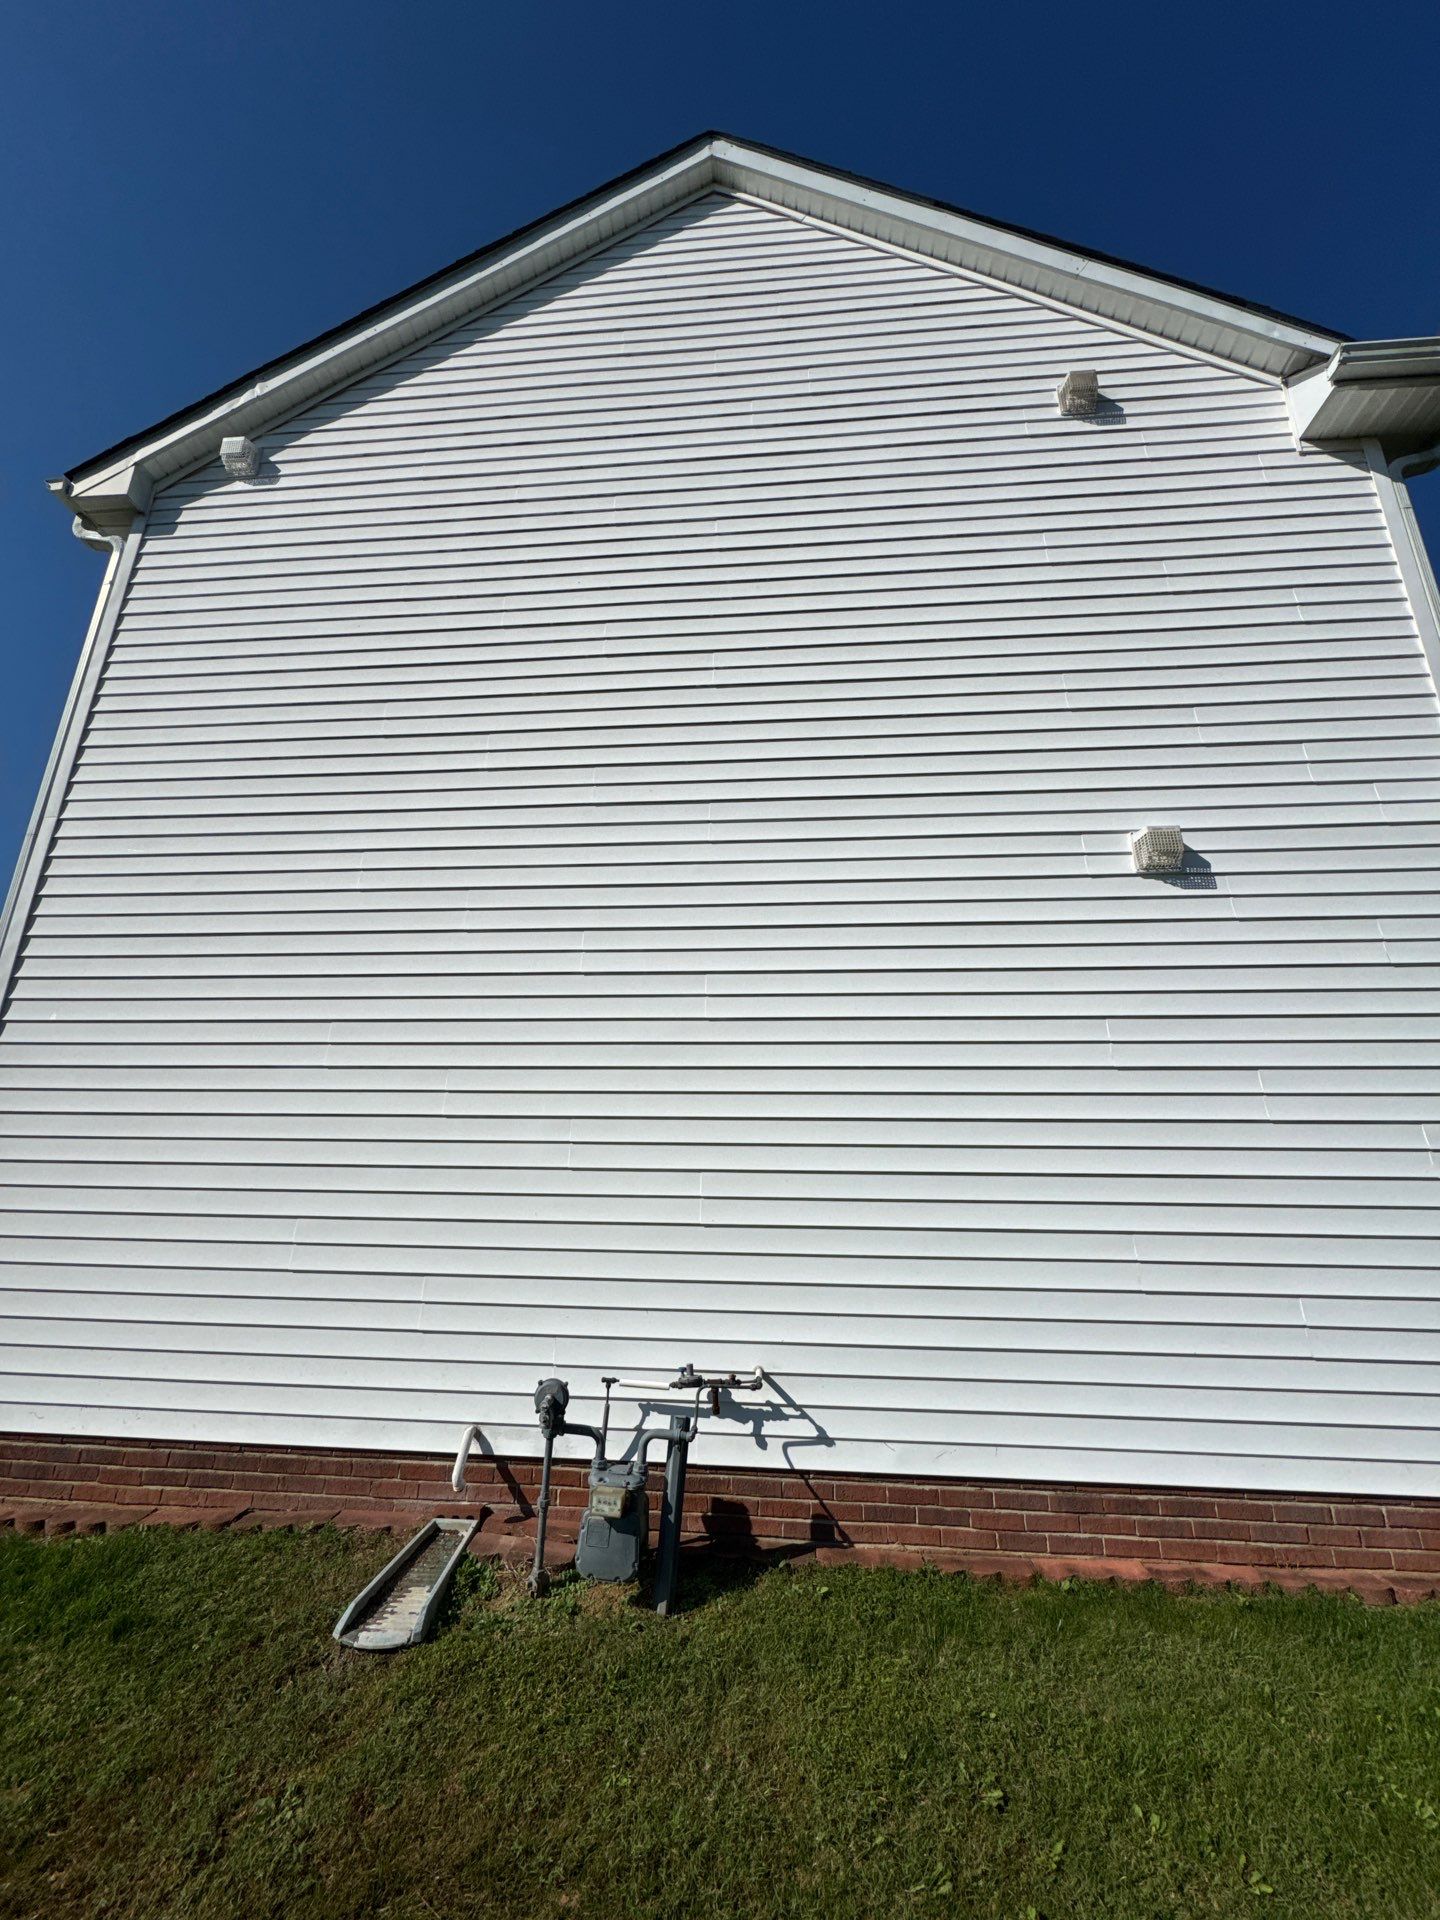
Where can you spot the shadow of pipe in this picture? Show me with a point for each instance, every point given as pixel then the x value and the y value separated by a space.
pixel 481 1449
pixel 781 1409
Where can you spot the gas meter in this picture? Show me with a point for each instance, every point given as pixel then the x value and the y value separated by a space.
pixel 615 1528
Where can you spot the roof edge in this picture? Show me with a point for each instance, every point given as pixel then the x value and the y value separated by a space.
pixel 110 487
pixel 110 456
pixel 1382 390
pixel 1034 234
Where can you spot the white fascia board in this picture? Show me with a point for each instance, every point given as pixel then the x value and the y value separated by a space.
pixel 1111 292
pixel 109 514
pixel 1387 360
pixel 1383 390
pixel 108 498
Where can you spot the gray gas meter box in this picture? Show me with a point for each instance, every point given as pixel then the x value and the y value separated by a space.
pixel 615 1529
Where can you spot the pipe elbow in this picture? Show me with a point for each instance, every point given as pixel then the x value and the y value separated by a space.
pixel 457 1472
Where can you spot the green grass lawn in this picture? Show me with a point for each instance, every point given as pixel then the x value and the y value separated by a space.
pixel 181 1737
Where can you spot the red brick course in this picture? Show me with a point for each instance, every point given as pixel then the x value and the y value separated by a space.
pixel 57 1486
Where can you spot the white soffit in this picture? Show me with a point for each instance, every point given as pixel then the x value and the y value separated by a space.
pixel 1386 390
pixel 106 492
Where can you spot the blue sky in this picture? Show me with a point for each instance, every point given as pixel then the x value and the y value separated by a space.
pixel 187 190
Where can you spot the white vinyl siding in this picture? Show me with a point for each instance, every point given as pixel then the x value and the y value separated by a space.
pixel 613 851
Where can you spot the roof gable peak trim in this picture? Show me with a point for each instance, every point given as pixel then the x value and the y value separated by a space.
pixel 977 276
pixel 1104 288
pixel 107 491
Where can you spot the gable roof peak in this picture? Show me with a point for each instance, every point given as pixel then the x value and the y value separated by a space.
pixel 106 491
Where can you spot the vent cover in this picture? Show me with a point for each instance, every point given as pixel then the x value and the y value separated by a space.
pixel 1079 392
pixel 240 457
pixel 1158 850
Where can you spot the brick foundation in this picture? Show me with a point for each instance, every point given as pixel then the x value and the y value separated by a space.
pixel 1002 1527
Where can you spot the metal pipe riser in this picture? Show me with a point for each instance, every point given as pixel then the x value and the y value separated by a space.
pixel 672 1512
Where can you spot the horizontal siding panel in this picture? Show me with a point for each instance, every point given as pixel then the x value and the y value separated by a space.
pixel 617 849
pixel 1055 1389
pixel 502 1318
pixel 728 1229
pixel 421 1162
pixel 1014 1280
pixel 689 944
pixel 1384 749
pixel 61 968
pixel 480 1339
pixel 863 1193
pixel 926 575
pixel 1010 1045
pixel 996 876
pixel 1359 835
pixel 775 760
pixel 616 942
pixel 1110 1305
pixel 714 1140
pixel 1152 509
pixel 1176 471
pixel 931 694
pixel 1358 1427
pixel 1247 819
pixel 767 546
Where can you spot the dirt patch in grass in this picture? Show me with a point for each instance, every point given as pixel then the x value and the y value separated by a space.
pixel 181 1737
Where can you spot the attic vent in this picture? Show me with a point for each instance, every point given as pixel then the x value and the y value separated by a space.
pixel 240 457
pixel 1158 850
pixel 1079 392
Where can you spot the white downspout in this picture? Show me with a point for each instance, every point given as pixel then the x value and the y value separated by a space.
pixel 35 847
pixel 1415 570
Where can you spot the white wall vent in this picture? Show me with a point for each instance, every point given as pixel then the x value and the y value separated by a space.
pixel 240 457
pixel 1158 850
pixel 1079 392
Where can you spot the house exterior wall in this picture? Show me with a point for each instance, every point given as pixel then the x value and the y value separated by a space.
pixel 614 851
